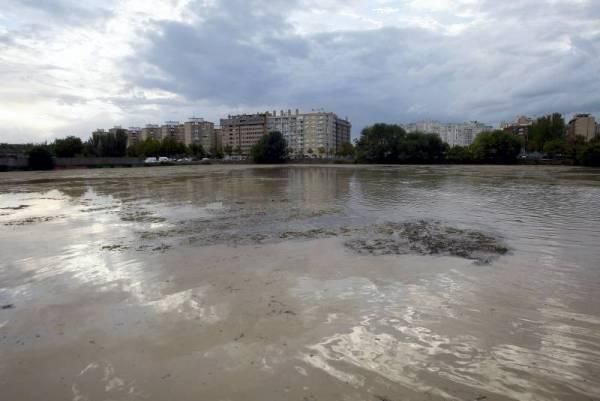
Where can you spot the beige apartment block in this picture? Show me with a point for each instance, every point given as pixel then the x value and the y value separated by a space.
pixel 200 132
pixel 583 125
pixel 151 131
pixel 134 136
pixel 174 130
pixel 314 131
pixel 241 132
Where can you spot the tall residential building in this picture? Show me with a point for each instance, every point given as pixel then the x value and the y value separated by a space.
pixel 243 131
pixel 219 138
pixel 310 131
pixel 200 132
pixel 518 127
pixel 134 136
pixel 461 134
pixel 582 125
pixel 151 131
pixel 174 130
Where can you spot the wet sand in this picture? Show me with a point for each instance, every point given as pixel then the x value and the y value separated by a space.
pixel 300 283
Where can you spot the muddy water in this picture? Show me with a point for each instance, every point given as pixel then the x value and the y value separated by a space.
pixel 300 283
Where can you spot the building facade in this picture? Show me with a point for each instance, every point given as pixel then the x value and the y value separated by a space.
pixel 173 130
pixel 134 136
pixel 583 125
pixel 243 131
pixel 318 133
pixel 200 132
pixel 151 131
pixel 454 134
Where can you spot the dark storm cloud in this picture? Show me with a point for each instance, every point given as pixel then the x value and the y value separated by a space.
pixel 488 72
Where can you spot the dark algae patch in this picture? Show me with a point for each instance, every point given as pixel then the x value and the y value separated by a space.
pixel 428 238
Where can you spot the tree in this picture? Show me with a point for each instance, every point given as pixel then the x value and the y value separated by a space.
pixel 228 150
pixel 238 150
pixel 459 155
pixel 271 148
pixel 170 147
pixel 385 143
pixel 68 147
pixel 346 150
pixel 545 129
pixel 379 143
pixel 197 150
pixel 310 151
pixel 556 148
pixel 321 151
pixel 496 147
pixel 40 158
pixel 590 154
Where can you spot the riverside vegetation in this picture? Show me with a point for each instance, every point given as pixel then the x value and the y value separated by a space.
pixel 379 143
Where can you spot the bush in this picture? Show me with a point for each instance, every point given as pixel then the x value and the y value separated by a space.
pixel 271 148
pixel 68 147
pixel 40 158
pixel 497 147
pixel 590 155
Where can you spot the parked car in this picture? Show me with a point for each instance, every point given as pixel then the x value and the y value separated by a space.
pixel 163 159
pixel 151 160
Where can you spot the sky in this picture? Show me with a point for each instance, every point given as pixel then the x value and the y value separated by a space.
pixel 68 67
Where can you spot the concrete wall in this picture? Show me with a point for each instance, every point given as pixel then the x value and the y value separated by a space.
pixel 13 163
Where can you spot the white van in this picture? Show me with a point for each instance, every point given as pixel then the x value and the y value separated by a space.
pixel 151 160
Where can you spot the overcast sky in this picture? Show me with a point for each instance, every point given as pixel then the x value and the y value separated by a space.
pixel 70 66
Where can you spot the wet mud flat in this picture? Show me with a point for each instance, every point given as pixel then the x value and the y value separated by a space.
pixel 300 283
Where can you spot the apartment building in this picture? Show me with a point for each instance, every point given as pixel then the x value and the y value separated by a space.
pixel 583 125
pixel 200 132
pixel 461 134
pixel 243 131
pixel 134 136
pixel 174 130
pixel 151 131
pixel 305 132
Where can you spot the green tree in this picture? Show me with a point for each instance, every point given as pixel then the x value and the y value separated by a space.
pixel 310 151
pixel 228 150
pixel 590 154
pixel 496 147
pixel 40 158
pixel 68 147
pixel 380 143
pixel 321 151
pixel 197 150
pixel 459 155
pixel 545 129
pixel 238 150
pixel 170 147
pixel 385 143
pixel 346 150
pixel 556 148
pixel 271 148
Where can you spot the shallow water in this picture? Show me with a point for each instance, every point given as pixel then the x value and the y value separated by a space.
pixel 300 283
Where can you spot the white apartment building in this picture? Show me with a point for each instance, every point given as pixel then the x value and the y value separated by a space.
pixel 305 132
pixel 461 134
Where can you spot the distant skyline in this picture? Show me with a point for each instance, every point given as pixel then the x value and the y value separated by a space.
pixel 68 67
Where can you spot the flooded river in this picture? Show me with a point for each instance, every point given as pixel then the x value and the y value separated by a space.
pixel 300 283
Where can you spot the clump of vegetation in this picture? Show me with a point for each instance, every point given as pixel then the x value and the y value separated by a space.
pixel 385 143
pixel 270 149
pixel 40 158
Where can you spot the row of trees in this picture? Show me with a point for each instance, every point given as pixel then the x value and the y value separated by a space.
pixel 385 143
pixel 169 147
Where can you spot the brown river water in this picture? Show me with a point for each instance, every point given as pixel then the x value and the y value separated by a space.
pixel 300 283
